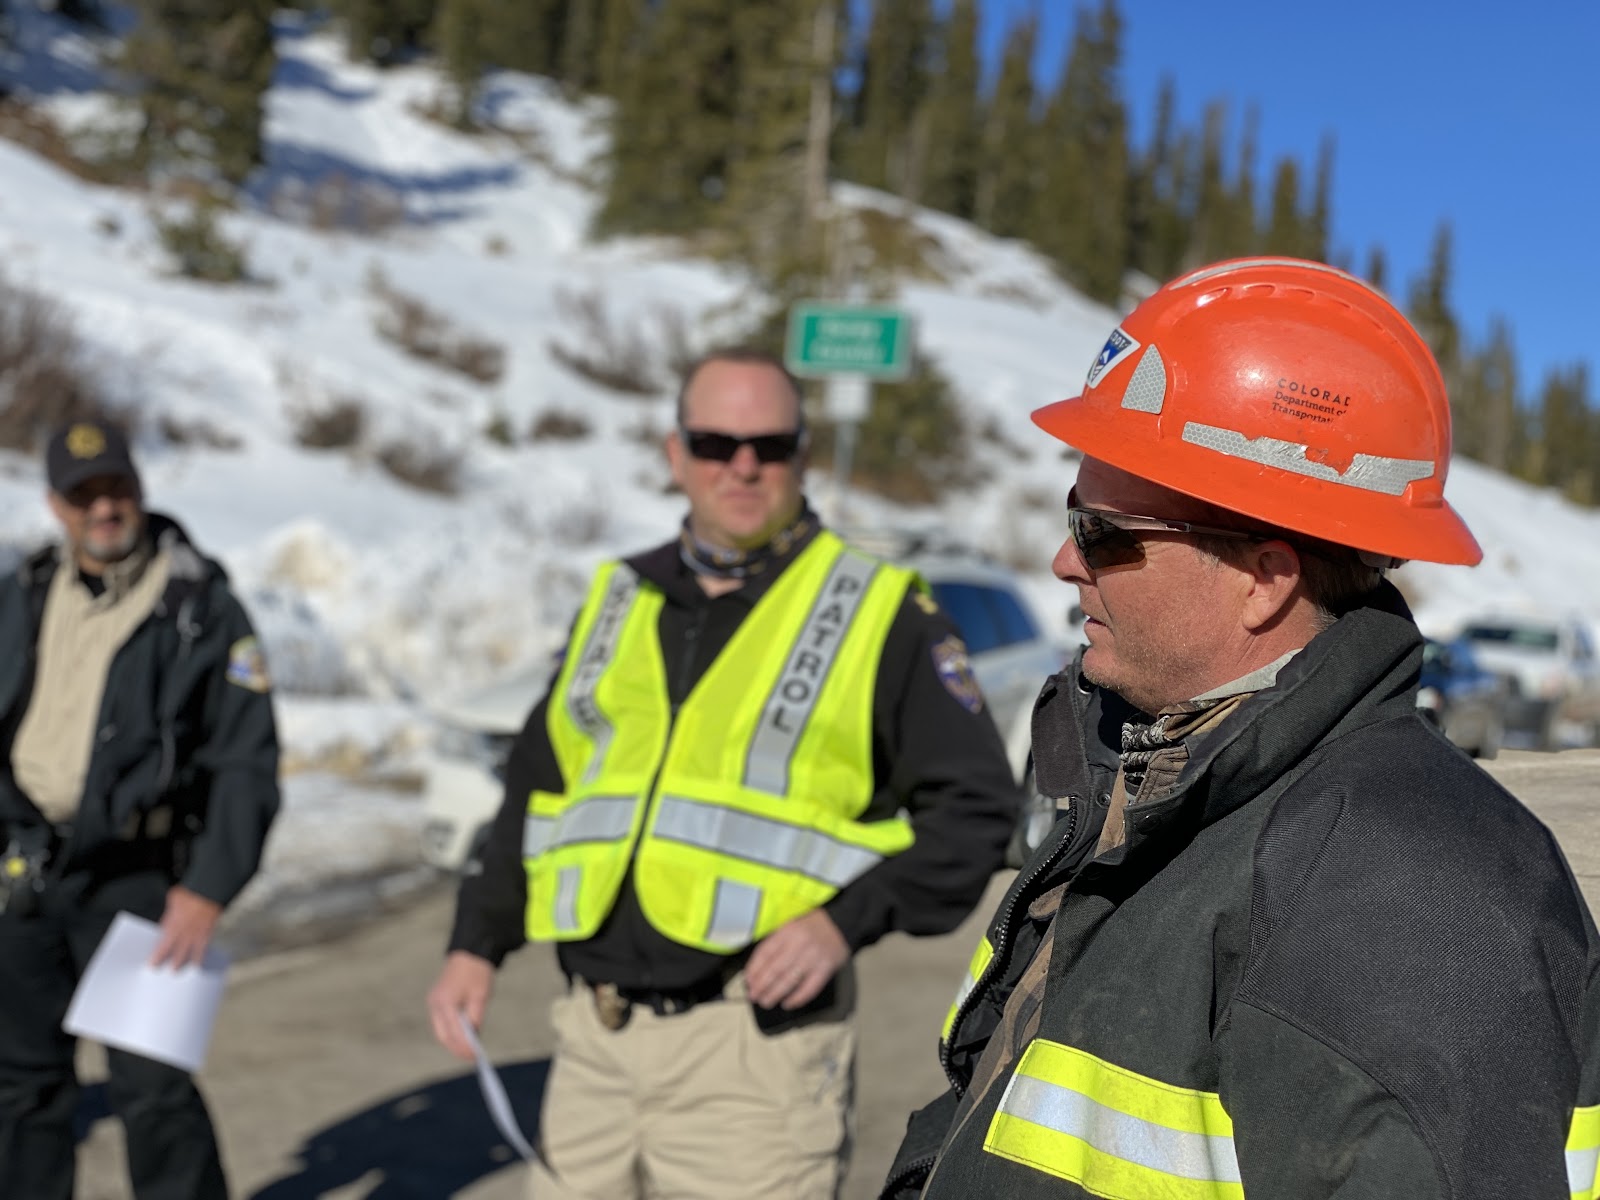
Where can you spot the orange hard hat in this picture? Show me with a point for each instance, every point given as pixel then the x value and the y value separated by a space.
pixel 1283 389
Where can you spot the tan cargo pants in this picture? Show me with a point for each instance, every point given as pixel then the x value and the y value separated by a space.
pixel 699 1105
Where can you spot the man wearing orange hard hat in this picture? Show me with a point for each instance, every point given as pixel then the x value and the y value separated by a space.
pixel 1284 941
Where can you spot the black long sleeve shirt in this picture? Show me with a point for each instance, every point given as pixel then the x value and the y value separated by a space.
pixel 933 756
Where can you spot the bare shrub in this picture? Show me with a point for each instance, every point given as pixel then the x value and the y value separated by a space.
pixel 644 433
pixel 34 128
pixel 429 335
pixel 553 425
pixel 338 203
pixel 992 432
pixel 499 430
pixel 581 523
pixel 333 424
pixel 617 359
pixel 426 468
pixel 196 431
pixel 44 383
pixel 199 247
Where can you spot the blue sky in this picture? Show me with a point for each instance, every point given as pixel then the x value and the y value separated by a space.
pixel 1441 109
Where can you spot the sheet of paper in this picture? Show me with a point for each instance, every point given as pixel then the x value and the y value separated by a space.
pixel 494 1095
pixel 159 1012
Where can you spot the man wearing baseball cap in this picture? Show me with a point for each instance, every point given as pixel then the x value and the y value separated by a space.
pixel 140 776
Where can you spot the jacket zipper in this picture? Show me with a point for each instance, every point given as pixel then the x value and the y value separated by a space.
pixel 1001 937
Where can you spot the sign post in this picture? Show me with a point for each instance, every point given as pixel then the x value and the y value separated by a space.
pixel 849 346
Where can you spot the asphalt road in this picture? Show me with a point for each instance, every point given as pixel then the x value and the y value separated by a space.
pixel 326 1083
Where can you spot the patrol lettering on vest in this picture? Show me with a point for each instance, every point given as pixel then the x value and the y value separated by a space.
pixel 790 705
pixel 597 654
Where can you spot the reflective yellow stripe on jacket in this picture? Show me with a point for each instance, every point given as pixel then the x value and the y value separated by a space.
pixel 1113 1132
pixel 1583 1153
pixel 741 812
pixel 981 958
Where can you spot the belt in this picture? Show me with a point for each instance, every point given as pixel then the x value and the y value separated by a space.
pixel 614 1002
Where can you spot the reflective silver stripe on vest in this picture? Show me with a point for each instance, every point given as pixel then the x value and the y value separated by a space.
pixel 598 652
pixel 1369 472
pixel 1581 1166
pixel 566 914
pixel 593 819
pixel 734 913
pixel 771 843
pixel 789 707
pixel 1188 1155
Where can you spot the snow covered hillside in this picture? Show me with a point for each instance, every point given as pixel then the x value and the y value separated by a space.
pixel 377 598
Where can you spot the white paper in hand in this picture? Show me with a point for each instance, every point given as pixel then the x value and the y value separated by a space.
pixel 494 1095
pixel 158 1012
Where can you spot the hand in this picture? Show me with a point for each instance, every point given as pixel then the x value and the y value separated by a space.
pixel 794 962
pixel 186 927
pixel 462 987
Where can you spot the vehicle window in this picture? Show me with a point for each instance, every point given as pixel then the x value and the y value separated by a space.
pixel 1513 635
pixel 1015 624
pixel 972 613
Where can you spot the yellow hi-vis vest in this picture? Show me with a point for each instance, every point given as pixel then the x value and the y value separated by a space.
pixel 739 813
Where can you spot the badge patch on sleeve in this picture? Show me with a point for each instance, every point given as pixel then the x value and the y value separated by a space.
pixel 247 665
pixel 955 672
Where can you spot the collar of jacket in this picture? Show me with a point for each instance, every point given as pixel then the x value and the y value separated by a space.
pixel 1361 670
pixel 664 567
pixel 189 572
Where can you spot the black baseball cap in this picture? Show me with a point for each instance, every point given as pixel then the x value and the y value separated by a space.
pixel 84 450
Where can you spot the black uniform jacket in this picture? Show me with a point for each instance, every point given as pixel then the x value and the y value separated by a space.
pixel 185 724
pixel 932 755
pixel 1334 920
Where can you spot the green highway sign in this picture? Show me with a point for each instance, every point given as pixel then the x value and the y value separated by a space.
pixel 840 339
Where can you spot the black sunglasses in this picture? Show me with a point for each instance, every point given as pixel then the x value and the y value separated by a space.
pixel 721 447
pixel 1107 539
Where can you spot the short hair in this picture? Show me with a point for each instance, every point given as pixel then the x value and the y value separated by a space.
pixel 749 356
pixel 1337 579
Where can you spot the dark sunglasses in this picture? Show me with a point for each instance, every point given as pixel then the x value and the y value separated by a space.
pixel 721 447
pixel 1108 539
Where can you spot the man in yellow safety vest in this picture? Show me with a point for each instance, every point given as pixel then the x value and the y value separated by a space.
pixel 762 751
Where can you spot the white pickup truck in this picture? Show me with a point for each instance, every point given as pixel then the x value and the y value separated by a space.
pixel 1552 671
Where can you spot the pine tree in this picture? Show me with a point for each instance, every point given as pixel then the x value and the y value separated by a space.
pixel 384 30
pixel 1430 310
pixel 1564 433
pixel 459 35
pixel 202 68
pixel 1320 223
pixel 1285 232
pixel 952 114
pixel 1211 196
pixel 1078 217
pixel 1498 380
pixel 674 122
pixel 1006 178
pixel 766 194
pixel 880 149
pixel 1377 272
pixel 1238 234
pixel 620 26
pixel 580 46
pixel 1157 225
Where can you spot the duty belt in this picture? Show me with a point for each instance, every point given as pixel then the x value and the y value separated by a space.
pixel 614 1003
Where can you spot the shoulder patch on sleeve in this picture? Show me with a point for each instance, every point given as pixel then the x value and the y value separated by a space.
pixel 247 665
pixel 955 672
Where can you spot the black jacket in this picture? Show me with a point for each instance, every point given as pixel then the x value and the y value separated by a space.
pixel 185 723
pixel 932 755
pixel 1334 921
